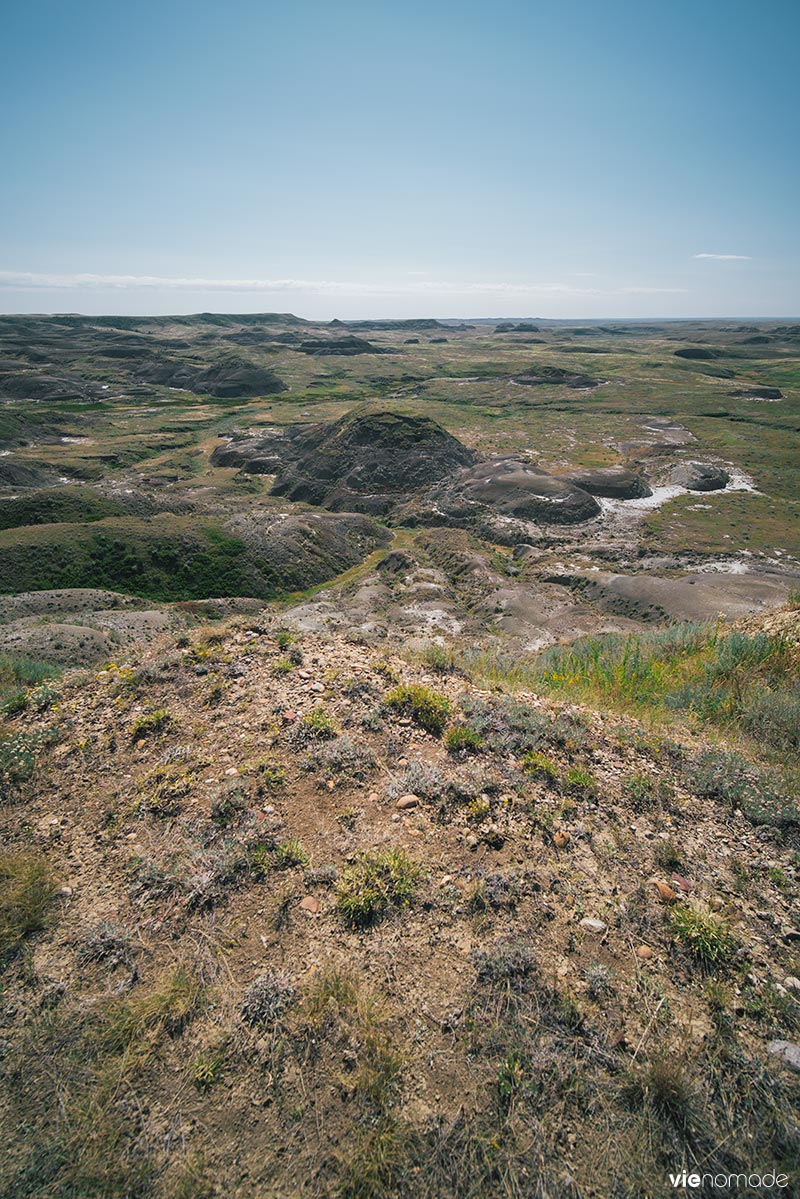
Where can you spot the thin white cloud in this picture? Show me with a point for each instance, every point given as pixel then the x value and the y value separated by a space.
pixel 726 257
pixel 27 280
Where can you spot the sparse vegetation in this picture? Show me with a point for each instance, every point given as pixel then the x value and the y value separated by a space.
pixel 150 724
pixel 290 853
pixel 134 1024
pixel 542 768
pixel 266 999
pixel 202 1010
pixel 375 883
pixel 462 740
pixel 318 725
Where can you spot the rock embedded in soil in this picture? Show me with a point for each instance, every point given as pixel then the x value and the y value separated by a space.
pixel 407 801
pixel 665 892
pixel 786 1052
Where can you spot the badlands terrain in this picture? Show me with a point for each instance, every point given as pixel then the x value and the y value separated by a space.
pixel 398 758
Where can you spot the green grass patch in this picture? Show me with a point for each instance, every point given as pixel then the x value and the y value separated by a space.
pixel 427 708
pixel 374 884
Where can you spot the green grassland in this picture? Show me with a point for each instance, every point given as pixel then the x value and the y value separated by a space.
pixel 132 441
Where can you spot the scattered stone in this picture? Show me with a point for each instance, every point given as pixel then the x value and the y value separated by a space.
pixel 493 837
pixel 310 904
pixel 787 1052
pixel 791 983
pixel 590 925
pixel 407 801
pixel 644 952
pixel 665 892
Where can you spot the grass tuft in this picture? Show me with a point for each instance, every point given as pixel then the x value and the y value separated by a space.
pixel 373 884
pixel 427 708
pixel 27 890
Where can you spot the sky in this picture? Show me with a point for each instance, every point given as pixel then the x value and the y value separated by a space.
pixel 574 158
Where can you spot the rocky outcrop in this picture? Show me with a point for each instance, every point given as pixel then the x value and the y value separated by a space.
pixel 228 378
pixel 15 473
pixel 31 385
pixel 363 463
pixel 301 549
pixel 522 327
pixel 513 490
pixel 700 476
pixel 696 353
pixel 612 482
pixel 757 393
pixel 555 376
pixel 341 346
pixel 411 469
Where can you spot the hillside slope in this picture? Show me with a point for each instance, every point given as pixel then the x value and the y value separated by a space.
pixel 295 917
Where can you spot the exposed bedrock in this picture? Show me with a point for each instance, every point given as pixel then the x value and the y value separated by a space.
pixel 611 482
pixel 358 464
pixel 700 476
pixel 413 470
pixel 512 488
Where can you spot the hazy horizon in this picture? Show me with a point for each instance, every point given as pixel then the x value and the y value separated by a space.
pixel 368 162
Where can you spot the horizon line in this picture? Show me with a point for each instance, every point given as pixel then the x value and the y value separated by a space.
pixel 590 320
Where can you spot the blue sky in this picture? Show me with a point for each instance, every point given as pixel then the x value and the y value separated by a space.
pixel 449 158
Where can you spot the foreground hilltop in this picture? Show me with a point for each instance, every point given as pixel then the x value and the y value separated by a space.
pixel 292 916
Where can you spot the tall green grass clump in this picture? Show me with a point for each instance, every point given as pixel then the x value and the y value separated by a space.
pixel 744 681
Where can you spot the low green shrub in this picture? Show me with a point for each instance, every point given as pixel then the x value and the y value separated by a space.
pixel 150 724
pixel 462 739
pixel 427 708
pixel 373 884
pixel 542 768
